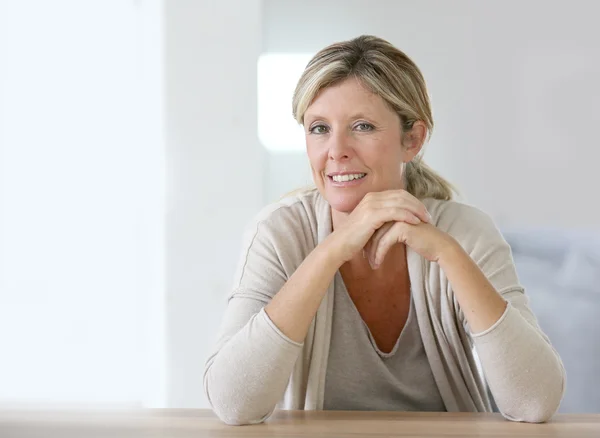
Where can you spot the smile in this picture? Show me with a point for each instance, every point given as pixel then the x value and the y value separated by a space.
pixel 348 177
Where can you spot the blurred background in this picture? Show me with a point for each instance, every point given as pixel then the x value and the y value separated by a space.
pixel 138 137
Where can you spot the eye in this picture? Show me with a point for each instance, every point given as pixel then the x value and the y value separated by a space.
pixel 364 127
pixel 318 129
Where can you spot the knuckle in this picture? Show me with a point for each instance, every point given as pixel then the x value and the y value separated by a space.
pixel 408 215
pixel 368 197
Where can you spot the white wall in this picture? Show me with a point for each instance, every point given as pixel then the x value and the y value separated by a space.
pixel 81 202
pixel 83 270
pixel 514 86
pixel 215 178
pixel 285 172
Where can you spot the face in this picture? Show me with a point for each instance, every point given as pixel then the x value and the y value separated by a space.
pixel 355 144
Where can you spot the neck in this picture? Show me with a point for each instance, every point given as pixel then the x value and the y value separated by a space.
pixel 338 218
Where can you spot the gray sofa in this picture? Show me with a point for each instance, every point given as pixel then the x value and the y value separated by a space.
pixel 560 271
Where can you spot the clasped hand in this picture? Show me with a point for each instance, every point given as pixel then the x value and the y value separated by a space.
pixel 383 219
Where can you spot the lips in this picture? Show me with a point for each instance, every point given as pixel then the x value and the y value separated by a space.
pixel 345 172
pixel 348 177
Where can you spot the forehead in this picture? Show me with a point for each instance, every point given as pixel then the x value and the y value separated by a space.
pixel 348 96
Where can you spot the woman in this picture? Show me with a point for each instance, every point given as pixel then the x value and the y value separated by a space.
pixel 376 291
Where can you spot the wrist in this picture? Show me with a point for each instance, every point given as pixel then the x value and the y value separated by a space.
pixel 449 251
pixel 330 252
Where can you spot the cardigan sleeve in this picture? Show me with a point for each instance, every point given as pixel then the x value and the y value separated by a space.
pixel 524 372
pixel 247 373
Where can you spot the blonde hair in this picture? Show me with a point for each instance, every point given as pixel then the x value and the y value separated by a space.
pixel 389 73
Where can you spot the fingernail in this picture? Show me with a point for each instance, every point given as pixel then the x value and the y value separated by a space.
pixel 429 217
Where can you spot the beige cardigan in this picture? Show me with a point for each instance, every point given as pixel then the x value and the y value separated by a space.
pixel 255 368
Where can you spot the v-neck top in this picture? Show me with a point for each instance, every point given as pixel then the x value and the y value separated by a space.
pixel 362 377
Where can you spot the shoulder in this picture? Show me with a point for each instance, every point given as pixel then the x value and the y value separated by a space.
pixel 290 221
pixel 276 241
pixel 469 225
pixel 296 211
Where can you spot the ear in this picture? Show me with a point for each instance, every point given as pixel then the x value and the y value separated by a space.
pixel 413 140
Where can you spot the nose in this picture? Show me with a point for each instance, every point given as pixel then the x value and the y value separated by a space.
pixel 340 148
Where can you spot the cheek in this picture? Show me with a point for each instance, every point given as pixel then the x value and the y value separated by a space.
pixel 317 157
pixel 388 159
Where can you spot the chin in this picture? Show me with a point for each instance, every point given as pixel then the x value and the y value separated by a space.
pixel 344 203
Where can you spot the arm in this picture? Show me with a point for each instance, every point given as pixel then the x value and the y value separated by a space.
pixel 258 345
pixel 295 306
pixel 524 372
pixel 482 306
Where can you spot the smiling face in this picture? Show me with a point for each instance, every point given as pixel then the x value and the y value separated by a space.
pixel 354 144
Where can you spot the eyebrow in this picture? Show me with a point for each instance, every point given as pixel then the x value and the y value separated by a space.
pixel 359 115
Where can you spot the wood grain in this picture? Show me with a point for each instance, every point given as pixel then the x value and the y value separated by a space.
pixel 176 423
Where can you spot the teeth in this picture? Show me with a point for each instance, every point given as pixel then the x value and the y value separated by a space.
pixel 342 178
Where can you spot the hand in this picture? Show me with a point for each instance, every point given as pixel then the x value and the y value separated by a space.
pixel 373 211
pixel 426 239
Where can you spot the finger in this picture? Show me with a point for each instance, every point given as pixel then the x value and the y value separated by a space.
pixel 392 214
pixel 417 207
pixel 367 252
pixel 399 198
pixel 374 241
pixel 393 236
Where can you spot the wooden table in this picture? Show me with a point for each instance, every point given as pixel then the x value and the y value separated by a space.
pixel 176 423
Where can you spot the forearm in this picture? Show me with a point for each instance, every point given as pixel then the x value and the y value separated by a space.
pixel 481 304
pixel 524 372
pixel 295 305
pixel 247 376
pixel 249 372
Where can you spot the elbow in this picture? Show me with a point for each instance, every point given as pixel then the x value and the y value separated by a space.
pixel 230 408
pixel 237 418
pixel 540 408
pixel 237 414
pixel 535 412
